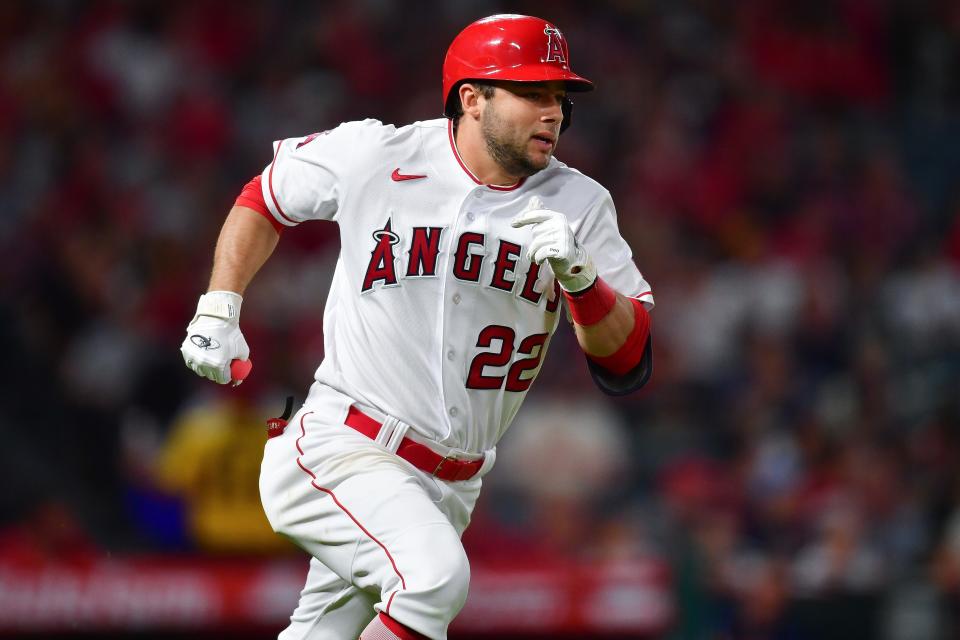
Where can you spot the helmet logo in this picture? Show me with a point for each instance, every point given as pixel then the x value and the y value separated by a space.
pixel 554 48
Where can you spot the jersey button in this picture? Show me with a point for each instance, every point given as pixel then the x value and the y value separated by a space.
pixel 478 194
pixel 470 216
pixel 451 354
pixel 456 298
pixel 453 412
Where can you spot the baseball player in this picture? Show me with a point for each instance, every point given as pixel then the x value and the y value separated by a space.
pixel 461 239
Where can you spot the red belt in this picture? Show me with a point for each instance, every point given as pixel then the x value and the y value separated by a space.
pixel 420 456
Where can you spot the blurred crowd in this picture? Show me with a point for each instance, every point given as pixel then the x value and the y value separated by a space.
pixel 787 173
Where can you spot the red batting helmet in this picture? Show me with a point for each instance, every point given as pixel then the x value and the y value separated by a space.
pixel 509 47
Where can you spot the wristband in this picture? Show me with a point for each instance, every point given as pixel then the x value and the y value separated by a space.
pixel 591 305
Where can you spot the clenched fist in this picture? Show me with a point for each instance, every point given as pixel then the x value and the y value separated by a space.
pixel 214 340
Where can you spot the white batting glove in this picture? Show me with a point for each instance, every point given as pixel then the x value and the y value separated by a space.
pixel 214 339
pixel 553 240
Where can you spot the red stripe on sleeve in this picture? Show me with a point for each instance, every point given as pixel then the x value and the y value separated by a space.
pixel 252 198
pixel 270 184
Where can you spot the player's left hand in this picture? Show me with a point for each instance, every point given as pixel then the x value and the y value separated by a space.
pixel 553 240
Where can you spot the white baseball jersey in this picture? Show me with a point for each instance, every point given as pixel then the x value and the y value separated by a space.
pixel 434 315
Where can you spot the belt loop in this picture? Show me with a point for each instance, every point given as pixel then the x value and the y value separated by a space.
pixel 386 430
pixel 391 434
pixel 489 457
pixel 398 433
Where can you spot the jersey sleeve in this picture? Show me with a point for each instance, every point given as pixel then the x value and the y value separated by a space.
pixel 611 254
pixel 310 175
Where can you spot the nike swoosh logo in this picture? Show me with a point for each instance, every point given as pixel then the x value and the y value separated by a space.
pixel 396 176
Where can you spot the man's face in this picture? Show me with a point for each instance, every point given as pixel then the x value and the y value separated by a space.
pixel 521 123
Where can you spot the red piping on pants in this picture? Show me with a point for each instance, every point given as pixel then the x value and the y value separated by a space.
pixel 313 483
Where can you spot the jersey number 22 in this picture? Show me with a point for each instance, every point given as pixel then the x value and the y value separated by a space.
pixel 531 346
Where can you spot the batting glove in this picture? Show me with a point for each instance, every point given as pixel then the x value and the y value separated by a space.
pixel 214 340
pixel 553 240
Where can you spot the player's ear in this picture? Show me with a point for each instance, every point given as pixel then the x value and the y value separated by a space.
pixel 470 100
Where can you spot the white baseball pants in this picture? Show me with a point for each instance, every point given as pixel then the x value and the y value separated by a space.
pixel 384 535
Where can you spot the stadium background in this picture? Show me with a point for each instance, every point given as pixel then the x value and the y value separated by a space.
pixel 786 173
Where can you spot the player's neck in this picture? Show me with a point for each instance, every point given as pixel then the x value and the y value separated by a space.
pixel 475 156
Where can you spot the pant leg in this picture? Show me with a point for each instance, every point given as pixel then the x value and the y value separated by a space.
pixel 368 517
pixel 330 608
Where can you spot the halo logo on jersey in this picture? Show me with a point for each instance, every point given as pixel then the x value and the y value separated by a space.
pixel 204 342
pixel 554 48
pixel 381 259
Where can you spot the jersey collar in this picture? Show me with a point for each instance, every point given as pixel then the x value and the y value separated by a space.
pixel 456 154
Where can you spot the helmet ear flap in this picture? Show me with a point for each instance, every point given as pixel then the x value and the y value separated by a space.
pixel 567 109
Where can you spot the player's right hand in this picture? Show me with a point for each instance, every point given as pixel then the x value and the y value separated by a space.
pixel 553 240
pixel 214 339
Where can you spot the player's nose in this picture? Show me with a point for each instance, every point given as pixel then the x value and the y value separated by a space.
pixel 551 114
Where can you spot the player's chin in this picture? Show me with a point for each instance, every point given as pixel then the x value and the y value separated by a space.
pixel 542 162
pixel 540 158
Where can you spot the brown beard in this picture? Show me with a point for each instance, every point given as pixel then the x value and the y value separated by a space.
pixel 512 158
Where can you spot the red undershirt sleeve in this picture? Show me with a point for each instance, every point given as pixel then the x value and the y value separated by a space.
pixel 630 367
pixel 252 197
pixel 628 356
